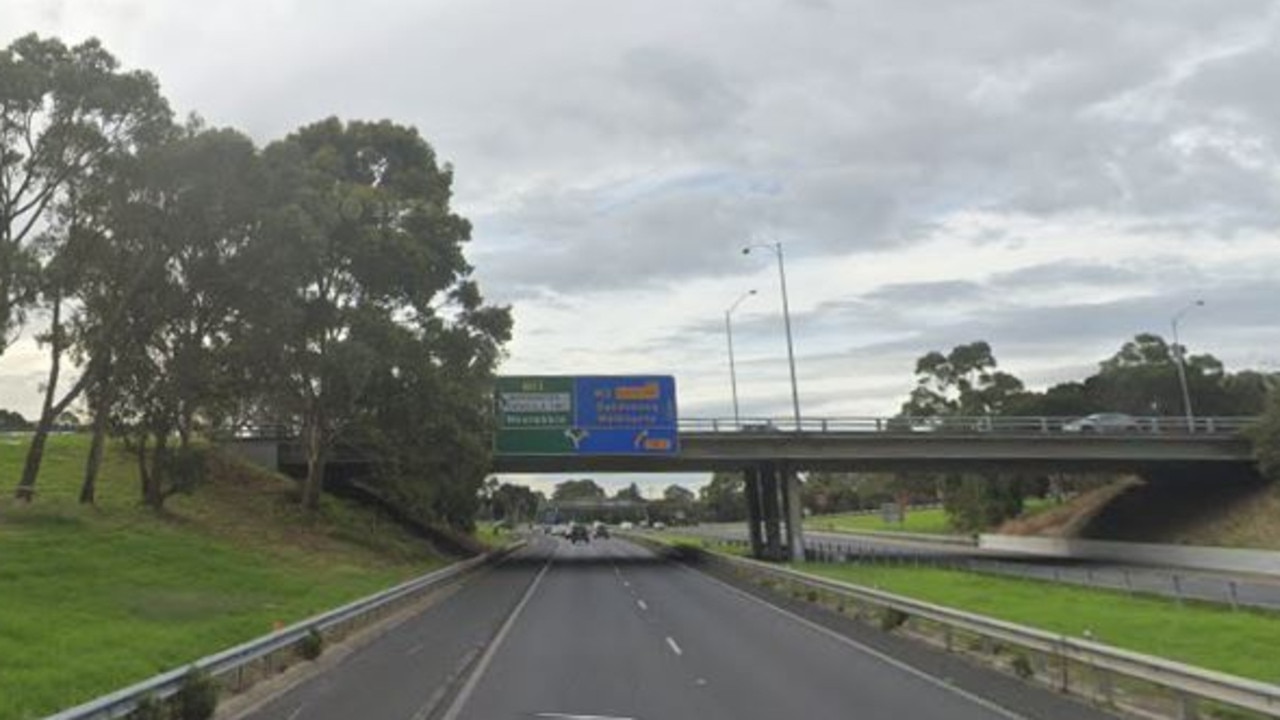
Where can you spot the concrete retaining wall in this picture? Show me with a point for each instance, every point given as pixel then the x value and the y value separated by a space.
pixel 1264 562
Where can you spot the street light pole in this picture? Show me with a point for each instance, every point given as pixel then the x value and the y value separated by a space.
pixel 1181 364
pixel 733 373
pixel 776 249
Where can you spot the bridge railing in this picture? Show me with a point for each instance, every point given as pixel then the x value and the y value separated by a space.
pixel 1044 425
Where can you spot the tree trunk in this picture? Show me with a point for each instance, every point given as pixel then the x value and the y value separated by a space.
pixel 144 473
pixel 315 467
pixel 154 490
pixel 101 413
pixel 89 488
pixel 26 489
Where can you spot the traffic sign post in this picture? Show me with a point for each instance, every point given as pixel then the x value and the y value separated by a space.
pixel 586 415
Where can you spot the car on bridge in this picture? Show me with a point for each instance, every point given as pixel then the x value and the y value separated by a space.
pixel 1109 422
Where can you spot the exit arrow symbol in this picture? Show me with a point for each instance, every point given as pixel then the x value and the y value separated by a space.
pixel 576 436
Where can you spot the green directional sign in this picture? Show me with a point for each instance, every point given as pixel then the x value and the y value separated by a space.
pixel 533 414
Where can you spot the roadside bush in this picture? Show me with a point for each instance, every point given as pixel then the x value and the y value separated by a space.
pixel 312 645
pixel 891 619
pixel 1021 665
pixel 198 696
pixel 149 708
pixel 1265 436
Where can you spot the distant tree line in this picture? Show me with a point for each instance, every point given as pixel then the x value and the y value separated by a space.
pixel 200 284
pixel 585 500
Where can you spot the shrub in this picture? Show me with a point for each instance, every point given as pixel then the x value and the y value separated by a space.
pixel 891 619
pixel 311 645
pixel 198 696
pixel 1021 665
pixel 148 708
pixel 1266 438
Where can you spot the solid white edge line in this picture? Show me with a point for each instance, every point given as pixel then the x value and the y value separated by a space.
pixel 459 702
pixel 882 657
pixel 674 647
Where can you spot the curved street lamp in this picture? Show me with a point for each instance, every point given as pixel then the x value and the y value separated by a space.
pixel 776 249
pixel 1181 364
pixel 733 373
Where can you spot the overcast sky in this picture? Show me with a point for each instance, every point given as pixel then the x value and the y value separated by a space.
pixel 1050 177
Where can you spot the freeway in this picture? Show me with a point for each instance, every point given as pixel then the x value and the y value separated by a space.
pixel 1206 586
pixel 609 630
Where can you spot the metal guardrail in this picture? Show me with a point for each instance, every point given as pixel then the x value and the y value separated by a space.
pixel 994 424
pixel 122 702
pixel 1185 681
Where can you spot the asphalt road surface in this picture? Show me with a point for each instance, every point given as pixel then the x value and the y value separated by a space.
pixel 609 630
pixel 1223 588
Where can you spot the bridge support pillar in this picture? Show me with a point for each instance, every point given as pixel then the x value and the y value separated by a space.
pixel 794 511
pixel 772 514
pixel 751 488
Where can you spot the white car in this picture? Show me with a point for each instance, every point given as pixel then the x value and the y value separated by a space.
pixel 1103 423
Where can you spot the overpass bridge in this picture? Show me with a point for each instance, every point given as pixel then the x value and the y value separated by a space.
pixel 769 452
pixel 939 444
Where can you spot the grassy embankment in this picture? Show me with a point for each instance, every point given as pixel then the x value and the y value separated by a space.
pixel 1210 636
pixel 931 521
pixel 96 598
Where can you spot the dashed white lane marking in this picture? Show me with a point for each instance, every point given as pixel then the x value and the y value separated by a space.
pixel 566 716
pixel 416 649
pixel 674 647
pixel 460 701
pixel 295 713
pixel 882 657
pixel 643 605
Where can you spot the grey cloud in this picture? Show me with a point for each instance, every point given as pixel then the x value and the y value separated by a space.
pixel 1066 273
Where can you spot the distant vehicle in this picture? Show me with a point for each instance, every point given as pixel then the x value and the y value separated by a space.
pixel 1103 423
pixel 601 532
pixel 659 526
pixel 757 427
pixel 578 533
pixel 628 525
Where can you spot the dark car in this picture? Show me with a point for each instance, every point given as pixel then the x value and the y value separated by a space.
pixel 578 533
pixel 602 531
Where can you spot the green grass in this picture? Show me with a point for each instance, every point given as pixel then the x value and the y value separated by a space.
pixel 930 521
pixel 96 598
pixel 1241 643
pixel 678 539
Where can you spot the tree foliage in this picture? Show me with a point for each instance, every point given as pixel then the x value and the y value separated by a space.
pixel 584 489
pixel 198 283
pixel 1265 436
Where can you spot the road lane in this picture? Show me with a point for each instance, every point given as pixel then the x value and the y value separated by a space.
pixel 614 632
pixel 399 675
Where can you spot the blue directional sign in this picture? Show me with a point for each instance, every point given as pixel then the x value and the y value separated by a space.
pixel 587 415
